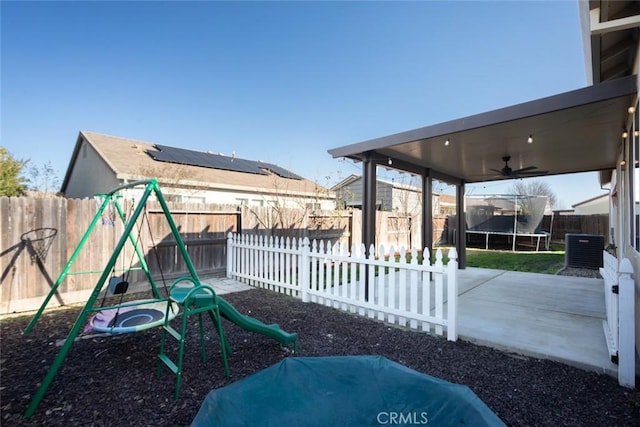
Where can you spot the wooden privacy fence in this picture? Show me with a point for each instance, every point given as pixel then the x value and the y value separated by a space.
pixel 386 287
pixel 39 235
pixel 559 225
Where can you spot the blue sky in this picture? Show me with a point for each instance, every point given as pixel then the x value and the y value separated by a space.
pixel 281 82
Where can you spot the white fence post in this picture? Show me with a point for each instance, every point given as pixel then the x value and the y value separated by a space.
pixel 229 255
pixel 304 271
pixel 626 331
pixel 452 296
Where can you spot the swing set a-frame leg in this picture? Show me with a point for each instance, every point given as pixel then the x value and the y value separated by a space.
pixel 57 363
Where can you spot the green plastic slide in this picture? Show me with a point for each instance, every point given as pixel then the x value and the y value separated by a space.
pixel 250 324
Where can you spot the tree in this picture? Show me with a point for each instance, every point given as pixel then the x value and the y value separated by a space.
pixel 534 188
pixel 11 182
pixel 43 178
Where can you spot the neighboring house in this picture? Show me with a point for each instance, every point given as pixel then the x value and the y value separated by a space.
pixel 595 205
pixel 391 196
pixel 100 163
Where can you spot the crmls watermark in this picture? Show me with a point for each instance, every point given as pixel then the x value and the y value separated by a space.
pixel 402 418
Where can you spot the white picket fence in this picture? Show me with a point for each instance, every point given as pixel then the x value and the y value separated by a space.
pixel 619 325
pixel 609 272
pixel 382 285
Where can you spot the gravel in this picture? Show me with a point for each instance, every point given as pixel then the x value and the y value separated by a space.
pixel 111 381
pixel 580 272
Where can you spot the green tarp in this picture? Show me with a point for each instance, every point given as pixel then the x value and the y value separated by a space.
pixel 343 391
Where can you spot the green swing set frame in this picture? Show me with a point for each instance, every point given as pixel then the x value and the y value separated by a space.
pixel 151 188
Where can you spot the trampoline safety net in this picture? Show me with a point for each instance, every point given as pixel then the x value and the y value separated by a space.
pixel 516 214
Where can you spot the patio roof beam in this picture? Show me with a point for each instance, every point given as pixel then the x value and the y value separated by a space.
pixel 391 162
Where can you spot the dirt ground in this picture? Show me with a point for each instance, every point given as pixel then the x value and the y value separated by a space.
pixel 111 381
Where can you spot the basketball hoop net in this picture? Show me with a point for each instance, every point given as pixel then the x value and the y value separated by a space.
pixel 38 242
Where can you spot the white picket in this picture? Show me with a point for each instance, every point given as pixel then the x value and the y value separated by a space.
pixel 391 300
pixel 402 288
pixel 382 283
pixel 353 280
pixel 413 289
pixel 426 290
pixel 362 272
pixel 323 273
pixel 439 295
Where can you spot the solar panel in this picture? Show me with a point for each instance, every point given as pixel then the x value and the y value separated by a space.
pixel 216 161
pixel 280 171
pixel 202 159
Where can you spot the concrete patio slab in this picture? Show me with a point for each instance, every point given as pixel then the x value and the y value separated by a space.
pixel 222 285
pixel 540 315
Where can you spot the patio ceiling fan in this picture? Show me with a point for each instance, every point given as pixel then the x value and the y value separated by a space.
pixel 507 172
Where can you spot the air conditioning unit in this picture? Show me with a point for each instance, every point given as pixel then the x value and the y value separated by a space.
pixel 583 250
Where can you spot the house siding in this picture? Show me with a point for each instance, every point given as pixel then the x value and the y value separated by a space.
pixel 90 174
pixel 595 206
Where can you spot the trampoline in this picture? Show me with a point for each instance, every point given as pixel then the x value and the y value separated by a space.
pixel 342 390
pixel 146 314
pixel 511 216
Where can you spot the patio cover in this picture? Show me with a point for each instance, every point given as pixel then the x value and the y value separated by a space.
pixel 343 390
pixel 576 131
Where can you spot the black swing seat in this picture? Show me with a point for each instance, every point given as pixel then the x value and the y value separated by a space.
pixel 118 286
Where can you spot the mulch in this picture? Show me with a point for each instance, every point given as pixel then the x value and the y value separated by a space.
pixel 111 381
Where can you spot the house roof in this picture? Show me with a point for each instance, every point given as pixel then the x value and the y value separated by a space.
pixel 132 159
pixel 346 181
pixel 591 200
pixel 401 186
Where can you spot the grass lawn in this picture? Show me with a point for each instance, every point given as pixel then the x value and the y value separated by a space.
pixel 548 262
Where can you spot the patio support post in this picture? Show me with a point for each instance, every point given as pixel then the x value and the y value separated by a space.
pixel 368 209
pixel 626 328
pixel 461 241
pixel 427 212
